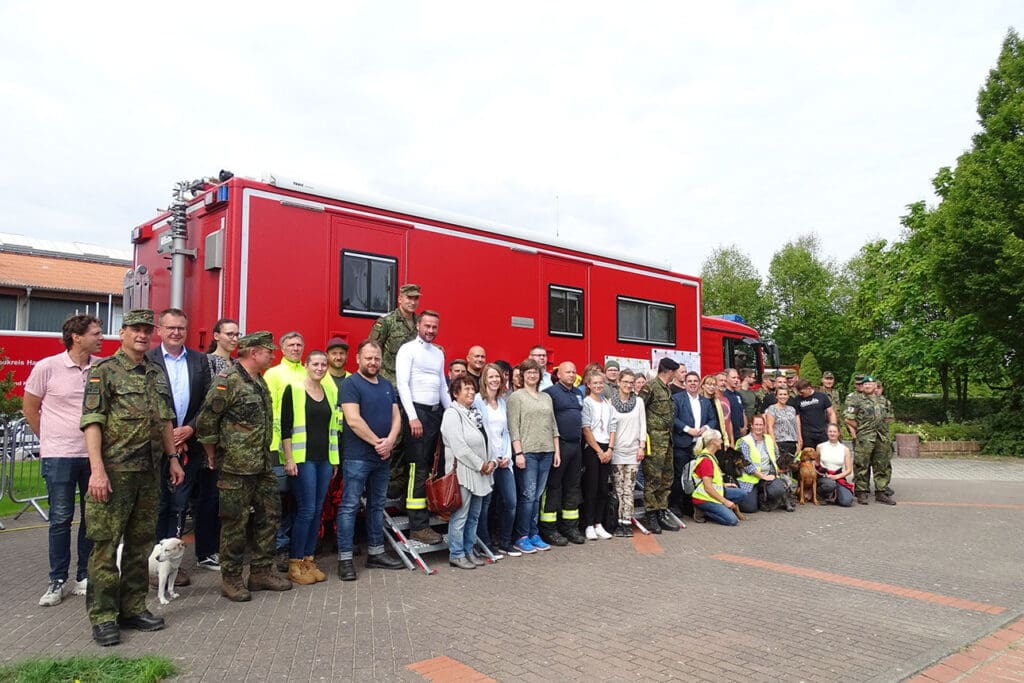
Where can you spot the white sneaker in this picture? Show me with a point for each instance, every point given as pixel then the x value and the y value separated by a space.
pixel 591 534
pixel 80 587
pixel 54 594
pixel 601 533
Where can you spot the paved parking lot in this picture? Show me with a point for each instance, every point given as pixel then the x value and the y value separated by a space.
pixel 872 593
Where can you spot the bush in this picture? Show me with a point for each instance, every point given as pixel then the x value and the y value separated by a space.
pixel 810 370
pixel 951 431
pixel 1005 432
pixel 916 409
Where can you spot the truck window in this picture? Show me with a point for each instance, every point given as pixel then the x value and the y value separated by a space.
pixel 367 283
pixel 646 322
pixel 740 354
pixel 565 311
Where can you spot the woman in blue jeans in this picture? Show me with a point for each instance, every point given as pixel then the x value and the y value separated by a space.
pixel 531 424
pixel 491 404
pixel 309 446
pixel 465 450
pixel 712 498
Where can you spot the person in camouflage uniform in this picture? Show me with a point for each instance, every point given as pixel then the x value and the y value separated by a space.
pixel 868 420
pixel 390 332
pixel 127 418
pixel 829 388
pixel 236 427
pixel 659 469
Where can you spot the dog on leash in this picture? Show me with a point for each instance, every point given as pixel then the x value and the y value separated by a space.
pixel 164 562
pixel 808 487
pixel 731 462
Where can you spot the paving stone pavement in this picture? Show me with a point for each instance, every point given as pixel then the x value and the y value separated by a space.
pixel 849 604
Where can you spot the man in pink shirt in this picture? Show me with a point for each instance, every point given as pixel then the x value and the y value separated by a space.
pixel 53 409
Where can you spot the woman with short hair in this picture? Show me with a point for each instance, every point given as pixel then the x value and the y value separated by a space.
pixel 712 498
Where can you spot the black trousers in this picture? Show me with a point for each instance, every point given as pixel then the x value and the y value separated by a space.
pixel 595 485
pixel 680 458
pixel 563 495
pixel 420 455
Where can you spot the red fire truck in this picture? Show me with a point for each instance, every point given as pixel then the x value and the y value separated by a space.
pixel 283 255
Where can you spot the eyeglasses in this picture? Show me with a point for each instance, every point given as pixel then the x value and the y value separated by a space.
pixel 173 329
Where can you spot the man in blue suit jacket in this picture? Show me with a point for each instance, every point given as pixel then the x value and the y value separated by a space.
pixel 694 414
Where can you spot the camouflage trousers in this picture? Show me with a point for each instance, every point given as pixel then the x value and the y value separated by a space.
pixel 245 498
pixel 623 483
pixel 659 471
pixel 871 452
pixel 129 515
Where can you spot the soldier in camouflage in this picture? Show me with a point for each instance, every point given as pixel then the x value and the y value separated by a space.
pixel 127 418
pixel 236 427
pixel 658 467
pixel 868 420
pixel 829 388
pixel 390 332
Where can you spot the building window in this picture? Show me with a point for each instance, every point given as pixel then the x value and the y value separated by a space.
pixel 565 311
pixel 646 322
pixel 367 284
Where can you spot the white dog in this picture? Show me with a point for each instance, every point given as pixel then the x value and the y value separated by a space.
pixel 164 562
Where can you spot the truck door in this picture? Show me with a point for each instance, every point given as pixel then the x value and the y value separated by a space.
pixel 564 297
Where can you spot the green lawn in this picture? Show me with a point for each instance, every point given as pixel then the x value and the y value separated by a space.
pixel 88 669
pixel 27 483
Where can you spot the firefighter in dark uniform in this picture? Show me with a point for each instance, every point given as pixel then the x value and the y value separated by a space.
pixel 560 505
pixel 868 420
pixel 659 468
pixel 127 417
pixel 236 427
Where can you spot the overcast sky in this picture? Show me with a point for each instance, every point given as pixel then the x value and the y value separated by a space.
pixel 661 129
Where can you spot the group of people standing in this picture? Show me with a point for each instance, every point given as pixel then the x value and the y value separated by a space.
pixel 557 455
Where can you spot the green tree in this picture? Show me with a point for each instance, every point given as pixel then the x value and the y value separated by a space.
pixel 10 405
pixel 810 370
pixel 731 284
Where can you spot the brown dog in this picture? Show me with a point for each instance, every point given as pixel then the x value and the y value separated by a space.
pixel 808 476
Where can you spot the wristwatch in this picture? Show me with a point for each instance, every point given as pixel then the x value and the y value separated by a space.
pixel 174 456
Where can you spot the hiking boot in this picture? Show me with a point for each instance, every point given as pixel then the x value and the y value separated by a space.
pixel 862 498
pixel 106 634
pixel 574 535
pixel 314 570
pixel 384 561
pixel 297 573
pixel 884 498
pixel 698 515
pixel 888 491
pixel 281 560
pixel 263 579
pixel 143 621
pixel 427 536
pixel 232 588
pixel 652 524
pixel 346 570
pixel 665 522
pixel 182 578
pixel 552 536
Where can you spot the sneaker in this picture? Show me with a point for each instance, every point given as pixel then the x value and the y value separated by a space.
pixel 54 594
pixel 511 551
pixel 539 543
pixel 523 545
pixel 601 533
pixel 496 552
pixel 211 562
pixel 80 587
pixel 591 534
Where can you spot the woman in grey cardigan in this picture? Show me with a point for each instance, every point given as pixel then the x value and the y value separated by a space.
pixel 465 449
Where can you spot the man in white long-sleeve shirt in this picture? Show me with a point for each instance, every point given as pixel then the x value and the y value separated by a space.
pixel 423 391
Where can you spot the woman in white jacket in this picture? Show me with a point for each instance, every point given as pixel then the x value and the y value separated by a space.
pixel 465 448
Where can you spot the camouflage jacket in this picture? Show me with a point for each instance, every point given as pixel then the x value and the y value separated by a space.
pixel 391 331
pixel 238 418
pixel 132 404
pixel 660 408
pixel 870 415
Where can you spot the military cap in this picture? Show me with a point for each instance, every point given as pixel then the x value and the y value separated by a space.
pixel 827 375
pixel 667 364
pixel 261 338
pixel 409 290
pixel 611 364
pixel 868 378
pixel 337 341
pixel 138 316
pixel 858 379
pixel 774 374
pixel 791 373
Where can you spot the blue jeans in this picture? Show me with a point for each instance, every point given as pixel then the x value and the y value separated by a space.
pixel 63 476
pixel 532 481
pixel 503 495
pixel 371 475
pixel 717 512
pixel 284 528
pixel 462 525
pixel 309 488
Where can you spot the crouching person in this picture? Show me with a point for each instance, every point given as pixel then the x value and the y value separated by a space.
pixel 236 427
pixel 712 498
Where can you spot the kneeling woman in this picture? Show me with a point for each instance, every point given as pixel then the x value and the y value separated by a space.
pixel 309 444
pixel 761 476
pixel 465 449
pixel 712 498
pixel 835 465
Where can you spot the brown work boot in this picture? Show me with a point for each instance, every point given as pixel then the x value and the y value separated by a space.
pixel 885 498
pixel 313 570
pixel 297 573
pixel 427 536
pixel 862 498
pixel 232 588
pixel 265 579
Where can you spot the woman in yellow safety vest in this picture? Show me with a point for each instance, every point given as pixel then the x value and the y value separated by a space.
pixel 309 446
pixel 712 498
pixel 761 479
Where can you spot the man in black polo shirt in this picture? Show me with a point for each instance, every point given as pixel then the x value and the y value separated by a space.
pixel 816 413
pixel 560 516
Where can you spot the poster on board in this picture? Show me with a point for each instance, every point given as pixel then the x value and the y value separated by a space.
pixel 634 364
pixel 691 359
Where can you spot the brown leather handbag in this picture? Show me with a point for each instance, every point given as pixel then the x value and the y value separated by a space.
pixel 443 495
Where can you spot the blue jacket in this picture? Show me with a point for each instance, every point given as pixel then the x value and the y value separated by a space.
pixel 684 418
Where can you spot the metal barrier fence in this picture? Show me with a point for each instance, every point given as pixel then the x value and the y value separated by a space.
pixel 22 476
